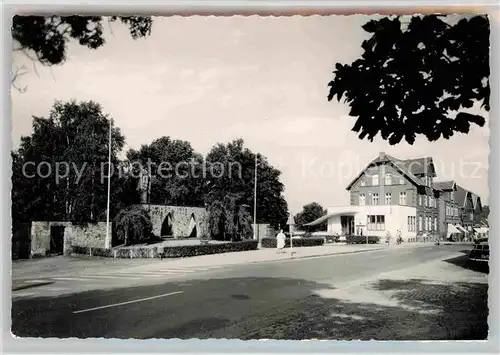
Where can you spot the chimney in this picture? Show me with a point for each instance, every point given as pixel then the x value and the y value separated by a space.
pixel 381 155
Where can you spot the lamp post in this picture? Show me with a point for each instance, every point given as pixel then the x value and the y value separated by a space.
pixel 368 220
pixel 108 243
pixel 290 223
pixel 255 235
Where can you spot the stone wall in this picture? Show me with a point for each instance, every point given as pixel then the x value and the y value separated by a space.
pixel 180 220
pixel 90 235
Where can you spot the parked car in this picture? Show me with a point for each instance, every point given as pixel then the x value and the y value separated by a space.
pixel 480 252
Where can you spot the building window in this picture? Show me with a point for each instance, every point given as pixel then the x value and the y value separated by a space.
pixel 402 198
pixel 426 200
pixel 448 212
pixel 376 223
pixel 375 180
pixel 362 183
pixel 375 199
pixel 388 179
pixel 411 223
pixel 420 223
pixel 428 223
pixel 388 198
pixel 362 199
pixel 401 180
pixel 435 224
pixel 431 200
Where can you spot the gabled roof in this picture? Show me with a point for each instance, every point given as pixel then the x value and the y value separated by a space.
pixel 446 185
pixel 476 200
pixel 420 166
pixel 461 195
pixel 408 168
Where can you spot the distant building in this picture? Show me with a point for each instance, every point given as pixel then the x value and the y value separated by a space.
pixel 392 194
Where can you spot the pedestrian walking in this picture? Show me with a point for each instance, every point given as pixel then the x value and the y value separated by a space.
pixel 388 238
pixel 280 241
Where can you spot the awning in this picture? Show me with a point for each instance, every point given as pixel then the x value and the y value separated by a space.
pixel 482 230
pixel 462 229
pixel 328 216
pixel 452 229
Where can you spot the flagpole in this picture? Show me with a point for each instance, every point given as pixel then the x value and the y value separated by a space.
pixel 109 183
pixel 255 203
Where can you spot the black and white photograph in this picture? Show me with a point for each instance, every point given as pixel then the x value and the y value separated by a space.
pixel 250 177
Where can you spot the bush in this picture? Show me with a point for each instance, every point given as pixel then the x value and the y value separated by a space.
pixel 303 242
pixel 133 225
pixel 182 251
pixel 361 239
pixel 95 251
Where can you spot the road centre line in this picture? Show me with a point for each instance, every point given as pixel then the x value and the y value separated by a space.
pixel 377 257
pixel 128 302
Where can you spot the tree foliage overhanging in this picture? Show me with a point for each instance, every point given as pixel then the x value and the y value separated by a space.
pixel 417 78
pixel 48 36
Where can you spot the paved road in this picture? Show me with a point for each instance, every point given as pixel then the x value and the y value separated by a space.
pixel 237 302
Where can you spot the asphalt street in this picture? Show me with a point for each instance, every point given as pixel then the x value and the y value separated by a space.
pixel 243 301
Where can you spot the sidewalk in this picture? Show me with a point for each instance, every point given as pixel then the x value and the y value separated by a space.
pixel 45 269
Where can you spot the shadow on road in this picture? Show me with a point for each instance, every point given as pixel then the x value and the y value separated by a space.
pixel 419 311
pixel 265 308
pixel 463 262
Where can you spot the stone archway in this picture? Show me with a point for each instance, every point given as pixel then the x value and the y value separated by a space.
pixel 193 228
pixel 166 227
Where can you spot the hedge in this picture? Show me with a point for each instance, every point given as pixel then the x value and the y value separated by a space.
pixel 303 242
pixel 95 251
pixel 361 239
pixel 180 251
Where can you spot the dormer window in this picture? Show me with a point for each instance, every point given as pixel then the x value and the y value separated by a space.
pixel 452 196
pixel 388 179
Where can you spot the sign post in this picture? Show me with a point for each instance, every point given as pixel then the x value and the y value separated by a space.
pixel 290 223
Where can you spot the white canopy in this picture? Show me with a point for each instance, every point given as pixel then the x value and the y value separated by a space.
pixel 452 229
pixel 326 217
pixel 482 230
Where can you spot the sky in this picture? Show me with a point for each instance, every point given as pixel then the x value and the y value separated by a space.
pixel 264 79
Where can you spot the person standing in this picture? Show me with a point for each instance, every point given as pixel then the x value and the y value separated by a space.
pixel 280 241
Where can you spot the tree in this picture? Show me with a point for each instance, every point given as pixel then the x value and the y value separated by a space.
pixel 133 225
pixel 176 171
pixel 309 213
pixel 60 170
pixel 231 170
pixel 417 78
pixel 48 36
pixel 230 219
